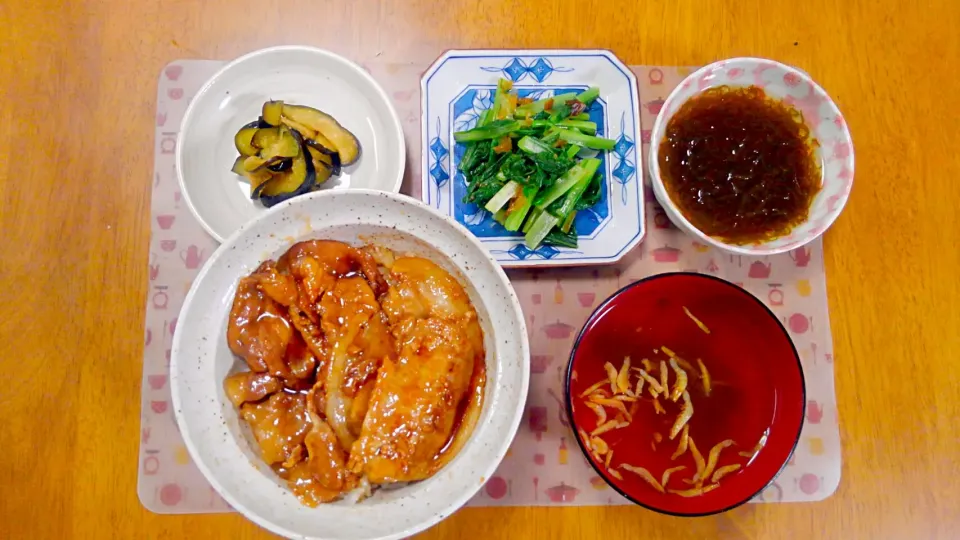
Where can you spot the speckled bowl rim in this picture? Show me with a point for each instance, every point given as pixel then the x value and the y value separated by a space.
pixel 498 441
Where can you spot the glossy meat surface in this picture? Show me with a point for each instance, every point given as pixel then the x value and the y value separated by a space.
pixel 250 387
pixel 357 342
pixel 279 424
pixel 365 368
pixel 258 330
pixel 414 408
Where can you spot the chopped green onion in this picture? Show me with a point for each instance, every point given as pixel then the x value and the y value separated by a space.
pixel 588 141
pixel 495 130
pixel 532 145
pixel 567 223
pixel 537 106
pixel 551 135
pixel 569 204
pixel 577 173
pixel 588 95
pixel 540 229
pixel 500 101
pixel 590 128
pixel 534 214
pixel 515 218
pixel 509 190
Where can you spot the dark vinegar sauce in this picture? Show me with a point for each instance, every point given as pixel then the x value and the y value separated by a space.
pixel 740 165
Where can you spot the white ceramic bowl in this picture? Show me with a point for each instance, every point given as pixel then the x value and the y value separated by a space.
pixel 234 96
pixel 820 114
pixel 223 449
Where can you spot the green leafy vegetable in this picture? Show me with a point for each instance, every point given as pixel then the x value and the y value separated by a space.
pixel 526 164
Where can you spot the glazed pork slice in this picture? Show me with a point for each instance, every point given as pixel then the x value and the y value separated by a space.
pixel 415 406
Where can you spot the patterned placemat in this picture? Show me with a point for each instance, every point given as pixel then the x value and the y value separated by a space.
pixel 544 465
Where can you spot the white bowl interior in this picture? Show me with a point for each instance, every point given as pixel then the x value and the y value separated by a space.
pixel 221 444
pixel 821 115
pixel 235 95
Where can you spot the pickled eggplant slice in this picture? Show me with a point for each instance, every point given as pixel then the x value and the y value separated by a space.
pixel 238 166
pixel 299 179
pixel 304 131
pixel 243 140
pixel 323 164
pixel 323 173
pixel 281 165
pixel 271 112
pixel 265 137
pixel 344 142
pixel 256 163
pixel 334 158
pixel 320 157
pixel 256 178
pixel 253 163
pixel 276 142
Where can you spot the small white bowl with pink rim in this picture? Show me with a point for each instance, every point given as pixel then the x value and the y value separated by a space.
pixel 820 114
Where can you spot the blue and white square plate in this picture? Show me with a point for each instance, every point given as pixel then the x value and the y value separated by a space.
pixel 461 84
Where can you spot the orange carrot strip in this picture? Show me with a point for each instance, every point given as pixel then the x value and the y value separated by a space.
pixel 623 376
pixel 663 376
pixel 654 384
pixel 704 376
pixel 682 447
pixel 599 445
pixel 714 457
pixel 697 458
pixel 696 320
pixel 658 407
pixel 609 426
pixel 684 416
pixel 723 471
pixel 645 474
pixel 695 491
pixel 599 411
pixel 590 390
pixel 681 385
pixel 666 474
pixel 611 376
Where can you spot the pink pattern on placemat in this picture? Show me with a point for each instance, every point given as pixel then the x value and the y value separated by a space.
pixel 544 465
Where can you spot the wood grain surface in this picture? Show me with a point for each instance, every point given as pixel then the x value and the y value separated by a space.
pixel 77 98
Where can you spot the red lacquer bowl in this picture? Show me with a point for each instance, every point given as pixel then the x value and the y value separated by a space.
pixel 757 387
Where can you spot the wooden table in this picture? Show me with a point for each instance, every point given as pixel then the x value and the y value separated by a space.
pixel 78 82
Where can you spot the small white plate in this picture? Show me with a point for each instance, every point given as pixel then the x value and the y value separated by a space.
pixel 224 450
pixel 234 96
pixel 461 84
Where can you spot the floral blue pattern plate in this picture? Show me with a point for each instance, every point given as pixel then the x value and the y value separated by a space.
pixel 461 84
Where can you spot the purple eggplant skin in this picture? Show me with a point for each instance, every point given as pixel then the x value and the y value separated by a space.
pixel 243 140
pixel 305 184
pixel 334 156
pixel 345 142
pixel 282 165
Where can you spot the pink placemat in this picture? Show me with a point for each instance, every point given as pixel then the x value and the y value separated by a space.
pixel 544 466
